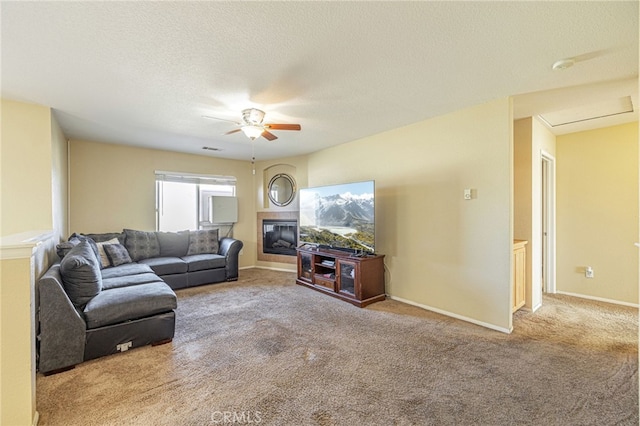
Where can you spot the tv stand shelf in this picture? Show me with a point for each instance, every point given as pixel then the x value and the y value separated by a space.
pixel 358 280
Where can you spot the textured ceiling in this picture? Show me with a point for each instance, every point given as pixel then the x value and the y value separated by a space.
pixel 144 73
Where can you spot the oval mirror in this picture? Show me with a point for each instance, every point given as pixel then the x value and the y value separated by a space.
pixel 282 189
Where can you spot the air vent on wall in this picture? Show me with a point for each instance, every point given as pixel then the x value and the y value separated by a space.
pixel 588 112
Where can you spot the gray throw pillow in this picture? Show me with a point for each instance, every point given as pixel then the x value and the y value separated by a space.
pixel 76 238
pixel 80 271
pixel 106 236
pixel 104 260
pixel 141 244
pixel 117 254
pixel 173 244
pixel 203 241
pixel 65 247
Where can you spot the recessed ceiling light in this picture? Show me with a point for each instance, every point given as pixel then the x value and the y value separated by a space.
pixel 563 64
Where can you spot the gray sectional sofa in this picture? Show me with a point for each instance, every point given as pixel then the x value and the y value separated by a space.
pixel 181 259
pixel 113 292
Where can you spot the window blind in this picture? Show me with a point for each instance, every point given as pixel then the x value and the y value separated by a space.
pixel 195 178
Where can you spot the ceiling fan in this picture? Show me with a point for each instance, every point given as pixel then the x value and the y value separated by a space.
pixel 252 125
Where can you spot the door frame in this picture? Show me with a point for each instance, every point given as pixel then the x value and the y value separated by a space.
pixel 548 216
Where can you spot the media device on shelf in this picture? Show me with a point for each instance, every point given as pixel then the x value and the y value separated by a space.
pixel 340 217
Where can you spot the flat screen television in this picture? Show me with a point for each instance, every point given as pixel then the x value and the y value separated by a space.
pixel 339 217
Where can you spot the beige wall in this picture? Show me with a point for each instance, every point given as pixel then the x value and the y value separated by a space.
pixel 113 187
pixel 295 167
pixel 18 371
pixel 523 189
pixel 25 168
pixel 33 176
pixel 442 252
pixel 597 213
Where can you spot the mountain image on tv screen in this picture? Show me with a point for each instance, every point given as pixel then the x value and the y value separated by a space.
pixel 339 216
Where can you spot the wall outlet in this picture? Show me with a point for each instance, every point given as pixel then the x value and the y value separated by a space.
pixel 241 251
pixel 588 272
pixel 467 194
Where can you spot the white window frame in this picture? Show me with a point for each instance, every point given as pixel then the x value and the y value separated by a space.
pixel 202 204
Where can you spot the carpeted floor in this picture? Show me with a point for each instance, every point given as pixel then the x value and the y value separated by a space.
pixel 266 351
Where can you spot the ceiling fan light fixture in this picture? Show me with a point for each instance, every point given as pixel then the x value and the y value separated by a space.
pixel 252 131
pixel 252 116
pixel 253 127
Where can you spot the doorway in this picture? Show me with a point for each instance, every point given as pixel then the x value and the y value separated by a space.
pixel 548 223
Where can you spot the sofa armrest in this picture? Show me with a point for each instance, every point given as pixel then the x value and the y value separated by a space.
pixel 230 249
pixel 62 327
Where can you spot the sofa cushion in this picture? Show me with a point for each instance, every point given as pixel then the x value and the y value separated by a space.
pixel 203 241
pixel 129 303
pixel 80 272
pixel 173 244
pixel 166 265
pixel 200 262
pixel 128 280
pixel 104 260
pixel 117 254
pixel 125 270
pixel 141 244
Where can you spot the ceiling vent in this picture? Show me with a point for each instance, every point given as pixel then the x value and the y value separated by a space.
pixel 210 148
pixel 588 112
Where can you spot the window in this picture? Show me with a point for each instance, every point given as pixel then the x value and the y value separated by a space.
pixel 182 199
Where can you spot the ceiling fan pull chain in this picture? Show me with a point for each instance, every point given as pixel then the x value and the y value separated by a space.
pixel 253 158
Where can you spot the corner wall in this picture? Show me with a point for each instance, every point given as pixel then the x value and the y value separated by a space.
pixel 531 138
pixel 442 252
pixel 33 202
pixel 296 167
pixel 597 213
pixel 59 181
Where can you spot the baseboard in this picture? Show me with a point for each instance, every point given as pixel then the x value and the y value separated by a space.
pixel 599 299
pixel 452 315
pixel 293 271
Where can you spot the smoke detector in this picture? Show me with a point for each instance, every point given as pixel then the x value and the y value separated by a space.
pixel 563 64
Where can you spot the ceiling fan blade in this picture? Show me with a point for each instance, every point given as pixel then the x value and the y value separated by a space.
pixel 221 119
pixel 283 126
pixel 269 136
pixel 232 131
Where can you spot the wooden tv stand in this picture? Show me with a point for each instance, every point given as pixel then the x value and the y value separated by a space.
pixel 358 280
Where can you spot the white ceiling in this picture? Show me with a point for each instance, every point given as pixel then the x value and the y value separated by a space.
pixel 144 73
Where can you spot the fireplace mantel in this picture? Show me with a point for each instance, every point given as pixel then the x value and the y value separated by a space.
pixel 269 257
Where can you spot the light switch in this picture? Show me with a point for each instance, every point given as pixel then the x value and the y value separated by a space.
pixel 588 272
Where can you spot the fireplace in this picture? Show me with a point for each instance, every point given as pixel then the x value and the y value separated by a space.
pixel 276 231
pixel 280 236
